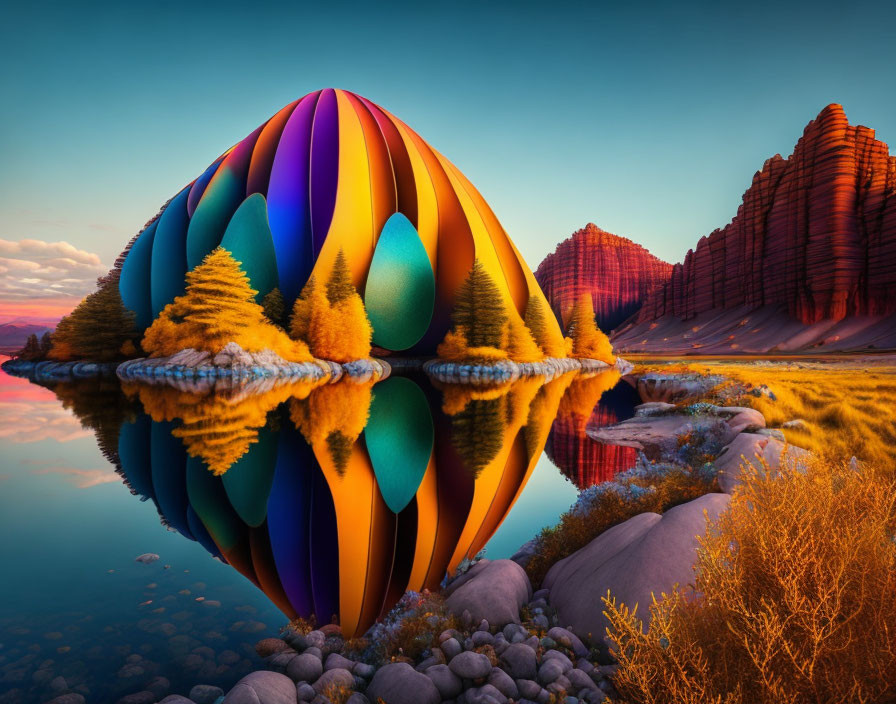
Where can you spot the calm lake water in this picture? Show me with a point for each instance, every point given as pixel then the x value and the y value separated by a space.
pixel 260 506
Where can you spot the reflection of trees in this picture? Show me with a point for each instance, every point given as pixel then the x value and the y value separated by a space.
pixel 100 406
pixel 333 417
pixel 481 417
pixel 215 427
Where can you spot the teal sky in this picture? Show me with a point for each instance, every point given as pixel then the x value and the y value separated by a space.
pixel 648 120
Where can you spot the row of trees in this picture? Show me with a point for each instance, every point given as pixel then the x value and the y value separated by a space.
pixel 34 349
pixel 327 321
pixel 485 330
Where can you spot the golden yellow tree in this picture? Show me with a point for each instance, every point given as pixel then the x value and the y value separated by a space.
pixel 548 338
pixel 587 339
pixel 333 319
pixel 519 342
pixel 218 307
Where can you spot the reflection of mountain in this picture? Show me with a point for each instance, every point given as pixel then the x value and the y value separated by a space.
pixel 597 400
pixel 338 528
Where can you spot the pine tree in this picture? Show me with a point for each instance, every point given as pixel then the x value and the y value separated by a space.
pixel 218 307
pixel 588 340
pixel 479 309
pixel 30 350
pixel 535 320
pixel 339 285
pixel 520 344
pixel 274 307
pixel 96 329
pixel 300 325
pixel 45 345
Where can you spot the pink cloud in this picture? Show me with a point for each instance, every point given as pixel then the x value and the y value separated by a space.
pixel 83 478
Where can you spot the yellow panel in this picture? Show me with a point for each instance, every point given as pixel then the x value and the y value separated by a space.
pixel 427 527
pixel 354 493
pixel 427 204
pixel 382 179
pixel 514 273
pixel 351 228
pixel 482 242
pixel 455 246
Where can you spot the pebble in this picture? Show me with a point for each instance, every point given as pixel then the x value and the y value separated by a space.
pixel 337 677
pixel 549 671
pixel 470 665
pixel 448 683
pixel 205 694
pixel 305 668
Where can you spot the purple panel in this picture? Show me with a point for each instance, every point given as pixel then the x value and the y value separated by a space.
pixel 289 212
pixel 324 167
pixel 199 185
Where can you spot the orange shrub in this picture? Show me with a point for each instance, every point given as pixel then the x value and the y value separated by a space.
pixel 218 307
pixel 587 339
pixel 795 586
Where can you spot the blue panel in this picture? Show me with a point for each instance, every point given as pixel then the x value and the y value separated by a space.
pixel 248 239
pixel 289 518
pixel 169 461
pixel 169 253
pixel 134 283
pixel 209 501
pixel 324 549
pixel 289 211
pixel 133 451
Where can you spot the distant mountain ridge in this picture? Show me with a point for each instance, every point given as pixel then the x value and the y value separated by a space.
pixel 807 264
pixel 14 334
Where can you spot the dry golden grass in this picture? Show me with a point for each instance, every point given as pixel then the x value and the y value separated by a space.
pixel 794 586
pixel 849 407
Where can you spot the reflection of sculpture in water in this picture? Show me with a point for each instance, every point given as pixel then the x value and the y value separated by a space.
pixel 595 400
pixel 215 427
pixel 344 496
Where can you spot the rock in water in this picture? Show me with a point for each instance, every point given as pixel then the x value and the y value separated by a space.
pixel 645 555
pixel 146 558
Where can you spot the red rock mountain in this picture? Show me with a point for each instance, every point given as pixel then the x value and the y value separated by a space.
pixel 809 261
pixel 616 272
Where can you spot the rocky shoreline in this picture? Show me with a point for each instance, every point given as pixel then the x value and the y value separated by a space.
pixel 506 371
pixel 200 371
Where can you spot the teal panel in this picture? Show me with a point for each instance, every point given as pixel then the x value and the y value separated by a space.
pixel 399 437
pixel 169 253
pixel 134 283
pixel 248 238
pixel 249 479
pixel 400 288
pixel 133 451
pixel 220 200
pixel 209 500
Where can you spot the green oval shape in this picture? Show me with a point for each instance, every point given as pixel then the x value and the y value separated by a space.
pixel 399 438
pixel 219 202
pixel 249 479
pixel 401 288
pixel 248 238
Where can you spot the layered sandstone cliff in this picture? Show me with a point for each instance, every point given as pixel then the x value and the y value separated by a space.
pixel 815 236
pixel 616 272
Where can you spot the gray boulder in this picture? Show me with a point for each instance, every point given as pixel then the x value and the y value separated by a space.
pixel 262 687
pixel 176 699
pixel 495 592
pixel 754 448
pixel 399 683
pixel 337 677
pixel 647 554
pixel 518 660
pixel 205 693
pixel 470 665
pixel 305 668
pixel 448 684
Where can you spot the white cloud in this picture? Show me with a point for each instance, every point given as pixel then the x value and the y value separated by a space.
pixel 37 269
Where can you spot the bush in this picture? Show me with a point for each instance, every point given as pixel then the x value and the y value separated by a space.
pixel 794 598
pixel 218 307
